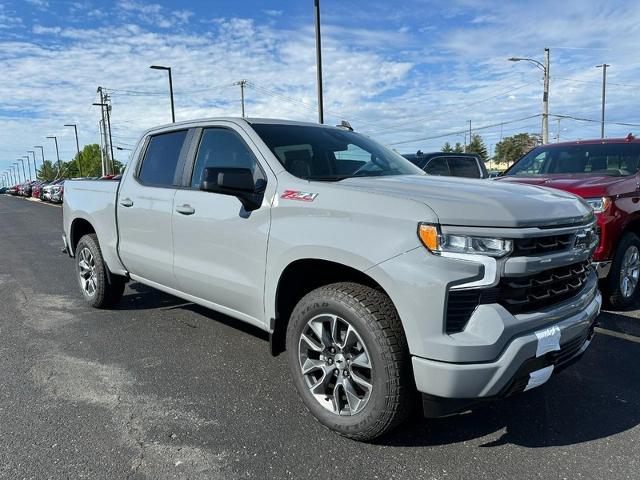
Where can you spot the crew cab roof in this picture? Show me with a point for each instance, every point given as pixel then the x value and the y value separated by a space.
pixel 597 141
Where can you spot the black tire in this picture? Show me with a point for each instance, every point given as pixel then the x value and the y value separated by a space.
pixel 373 316
pixel 614 297
pixel 108 288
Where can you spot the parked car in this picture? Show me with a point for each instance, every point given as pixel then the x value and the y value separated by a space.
pixel 375 278
pixel 606 174
pixel 57 192
pixel 449 164
pixel 47 190
pixel 35 190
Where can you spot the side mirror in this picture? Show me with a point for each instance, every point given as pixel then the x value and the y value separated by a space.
pixel 237 182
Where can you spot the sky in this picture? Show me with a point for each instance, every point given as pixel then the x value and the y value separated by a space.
pixel 411 74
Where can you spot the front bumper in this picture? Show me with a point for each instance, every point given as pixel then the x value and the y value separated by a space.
pixel 451 387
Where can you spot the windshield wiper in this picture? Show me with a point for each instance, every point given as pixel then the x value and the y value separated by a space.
pixel 327 178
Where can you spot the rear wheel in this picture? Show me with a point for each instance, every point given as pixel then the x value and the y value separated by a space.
pixel 621 285
pixel 349 360
pixel 99 289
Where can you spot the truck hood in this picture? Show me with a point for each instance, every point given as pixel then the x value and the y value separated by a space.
pixel 482 203
pixel 586 186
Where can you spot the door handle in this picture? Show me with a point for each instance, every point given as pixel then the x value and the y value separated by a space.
pixel 126 202
pixel 185 209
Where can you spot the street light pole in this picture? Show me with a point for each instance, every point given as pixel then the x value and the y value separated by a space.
pixel 168 69
pixel 604 87
pixel 57 155
pixel 316 4
pixel 242 83
pixel 75 128
pixel 41 151
pixel 28 165
pixel 23 170
pixel 18 170
pixel 35 166
pixel 545 95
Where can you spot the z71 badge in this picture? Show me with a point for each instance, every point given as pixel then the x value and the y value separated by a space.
pixel 296 195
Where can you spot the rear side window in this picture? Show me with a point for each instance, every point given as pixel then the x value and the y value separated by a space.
pixel 222 148
pixel 437 166
pixel 464 167
pixel 161 159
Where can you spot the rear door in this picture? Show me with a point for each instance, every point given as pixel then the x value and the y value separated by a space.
pixel 145 207
pixel 220 249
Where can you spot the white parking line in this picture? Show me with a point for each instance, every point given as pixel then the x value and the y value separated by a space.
pixel 624 336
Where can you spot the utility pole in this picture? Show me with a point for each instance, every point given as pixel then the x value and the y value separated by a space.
pixel 75 128
pixel 57 155
pixel 316 4
pixel 470 133
pixel 545 99
pixel 242 83
pixel 103 104
pixel 604 87
pixel 168 69
pixel 558 131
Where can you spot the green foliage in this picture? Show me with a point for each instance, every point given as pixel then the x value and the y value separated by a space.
pixel 458 148
pixel 512 148
pixel 447 147
pixel 476 145
pixel 90 165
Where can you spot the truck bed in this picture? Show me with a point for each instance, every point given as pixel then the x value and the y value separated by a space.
pixel 95 202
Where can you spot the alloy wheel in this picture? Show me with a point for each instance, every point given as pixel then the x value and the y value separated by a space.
pixel 87 272
pixel 335 364
pixel 629 271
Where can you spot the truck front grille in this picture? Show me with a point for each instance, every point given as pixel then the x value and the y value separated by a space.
pixel 542 245
pixel 518 294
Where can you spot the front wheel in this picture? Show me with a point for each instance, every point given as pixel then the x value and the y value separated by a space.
pixel 349 360
pixel 621 285
pixel 99 289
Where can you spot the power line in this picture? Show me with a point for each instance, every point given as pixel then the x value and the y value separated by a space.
pixel 460 132
pixel 579 119
pixel 451 108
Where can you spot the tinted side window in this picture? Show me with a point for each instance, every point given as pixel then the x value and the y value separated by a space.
pixel 161 159
pixel 464 167
pixel 220 147
pixel 437 166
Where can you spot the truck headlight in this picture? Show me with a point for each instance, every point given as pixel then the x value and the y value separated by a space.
pixel 599 205
pixel 438 243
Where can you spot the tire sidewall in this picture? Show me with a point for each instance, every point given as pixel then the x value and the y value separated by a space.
pixel 311 306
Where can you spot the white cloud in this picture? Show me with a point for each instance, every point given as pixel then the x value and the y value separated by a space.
pixel 41 4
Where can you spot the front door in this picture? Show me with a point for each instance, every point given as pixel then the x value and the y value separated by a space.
pixel 220 249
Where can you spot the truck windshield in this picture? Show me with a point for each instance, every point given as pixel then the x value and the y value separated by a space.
pixel 613 159
pixel 331 154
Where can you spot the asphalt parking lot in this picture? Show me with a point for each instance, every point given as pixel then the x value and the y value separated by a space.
pixel 159 389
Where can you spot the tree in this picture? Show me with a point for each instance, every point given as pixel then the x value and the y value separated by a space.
pixel 48 171
pixel 90 163
pixel 476 145
pixel 512 148
pixel 458 148
pixel 447 147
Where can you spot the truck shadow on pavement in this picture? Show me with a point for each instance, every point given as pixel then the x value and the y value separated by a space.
pixel 597 397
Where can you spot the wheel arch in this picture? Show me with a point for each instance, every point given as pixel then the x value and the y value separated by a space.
pixel 300 277
pixel 79 228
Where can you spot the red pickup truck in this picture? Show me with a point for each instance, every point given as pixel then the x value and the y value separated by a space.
pixel 606 174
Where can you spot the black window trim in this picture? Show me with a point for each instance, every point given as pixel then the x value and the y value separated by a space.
pixel 182 158
pixel 192 156
pixel 447 157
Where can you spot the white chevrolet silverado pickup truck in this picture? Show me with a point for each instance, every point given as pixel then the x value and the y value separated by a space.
pixel 379 282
